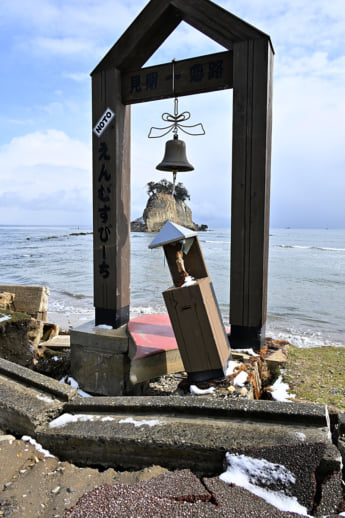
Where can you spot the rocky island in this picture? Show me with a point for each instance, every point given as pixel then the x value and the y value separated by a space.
pixel 163 206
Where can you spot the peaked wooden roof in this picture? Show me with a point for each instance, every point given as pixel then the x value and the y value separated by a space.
pixel 170 233
pixel 159 19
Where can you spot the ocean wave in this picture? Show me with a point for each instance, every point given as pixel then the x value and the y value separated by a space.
pixel 216 242
pixel 301 335
pixel 78 296
pixel 322 248
pixel 73 234
pixel 328 249
pixel 60 307
pixel 147 310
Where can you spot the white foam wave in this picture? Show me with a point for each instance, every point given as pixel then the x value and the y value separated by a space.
pixel 306 339
pixel 216 242
pixel 321 248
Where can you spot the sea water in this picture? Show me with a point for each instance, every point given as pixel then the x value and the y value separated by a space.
pixel 306 288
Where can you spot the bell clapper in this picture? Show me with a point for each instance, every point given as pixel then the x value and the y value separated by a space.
pixel 174 183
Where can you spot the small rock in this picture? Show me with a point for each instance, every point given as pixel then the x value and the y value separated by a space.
pixel 56 490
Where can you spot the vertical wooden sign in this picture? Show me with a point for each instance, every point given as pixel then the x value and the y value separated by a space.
pixel 111 199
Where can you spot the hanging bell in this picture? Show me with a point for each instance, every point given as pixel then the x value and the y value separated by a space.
pixel 175 158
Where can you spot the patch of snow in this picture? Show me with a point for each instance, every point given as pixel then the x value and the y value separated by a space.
pixel 248 472
pixel 104 326
pixel 342 514
pixel 83 394
pixel 196 391
pixel 39 447
pixel 280 391
pixel 133 379
pixel 188 281
pixel 55 358
pixel 68 380
pixel 44 398
pixel 241 378
pixel 4 317
pixel 65 419
pixel 301 436
pixel 250 352
pixel 231 367
pixel 148 422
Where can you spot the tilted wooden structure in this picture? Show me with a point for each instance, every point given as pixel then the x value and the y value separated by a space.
pixel 118 81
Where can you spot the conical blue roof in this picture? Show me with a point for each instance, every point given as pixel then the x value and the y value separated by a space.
pixel 170 233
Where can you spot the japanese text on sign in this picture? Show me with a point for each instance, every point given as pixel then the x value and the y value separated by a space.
pixel 201 74
pixel 103 210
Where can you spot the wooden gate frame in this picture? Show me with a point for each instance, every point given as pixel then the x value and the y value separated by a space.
pixel 118 81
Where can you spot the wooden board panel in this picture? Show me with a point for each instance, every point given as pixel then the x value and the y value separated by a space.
pixel 197 75
pixel 198 329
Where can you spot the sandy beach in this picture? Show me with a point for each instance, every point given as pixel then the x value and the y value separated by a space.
pixel 68 320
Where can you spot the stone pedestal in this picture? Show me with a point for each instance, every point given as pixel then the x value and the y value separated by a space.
pixel 100 359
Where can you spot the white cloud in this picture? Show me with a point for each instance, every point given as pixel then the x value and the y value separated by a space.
pixel 47 172
pixel 50 147
pixel 62 41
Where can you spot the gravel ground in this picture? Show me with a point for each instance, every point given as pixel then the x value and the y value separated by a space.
pixel 179 494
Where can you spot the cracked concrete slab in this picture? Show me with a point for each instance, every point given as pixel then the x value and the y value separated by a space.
pixel 173 432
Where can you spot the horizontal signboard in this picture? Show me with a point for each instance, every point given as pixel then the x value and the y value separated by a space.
pixel 191 76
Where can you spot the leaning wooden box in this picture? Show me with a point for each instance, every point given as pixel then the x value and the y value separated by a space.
pixel 192 305
pixel 198 328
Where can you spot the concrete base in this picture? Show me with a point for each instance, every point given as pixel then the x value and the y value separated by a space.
pixel 100 359
pixel 115 362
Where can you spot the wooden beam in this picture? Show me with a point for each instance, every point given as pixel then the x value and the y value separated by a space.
pixel 158 20
pixel 143 37
pixel 111 199
pixel 197 75
pixel 215 22
pixel 251 168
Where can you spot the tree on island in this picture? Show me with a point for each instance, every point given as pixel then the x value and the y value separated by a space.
pixel 166 187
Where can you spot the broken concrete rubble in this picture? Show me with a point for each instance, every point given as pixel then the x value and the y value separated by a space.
pixel 175 432
pixel 32 300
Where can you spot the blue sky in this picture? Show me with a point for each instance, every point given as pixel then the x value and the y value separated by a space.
pixel 48 51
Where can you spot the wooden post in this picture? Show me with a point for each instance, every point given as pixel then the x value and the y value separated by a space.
pixel 251 166
pixel 111 199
